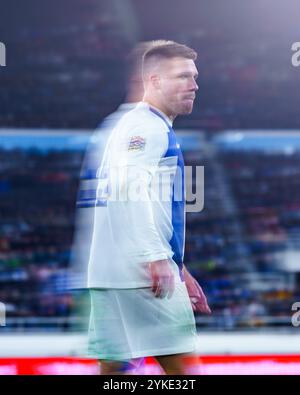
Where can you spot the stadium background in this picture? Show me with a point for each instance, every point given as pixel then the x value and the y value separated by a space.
pixel 65 72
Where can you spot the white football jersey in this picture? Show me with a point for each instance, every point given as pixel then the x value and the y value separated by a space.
pixel 139 214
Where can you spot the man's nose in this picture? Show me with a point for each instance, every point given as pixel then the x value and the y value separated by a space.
pixel 194 86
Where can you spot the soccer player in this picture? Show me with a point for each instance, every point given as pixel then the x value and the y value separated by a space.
pixel 142 296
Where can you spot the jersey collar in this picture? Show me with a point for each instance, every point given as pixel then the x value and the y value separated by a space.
pixel 158 112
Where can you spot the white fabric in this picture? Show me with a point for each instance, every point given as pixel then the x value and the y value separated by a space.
pixel 129 234
pixel 132 323
pixel 86 196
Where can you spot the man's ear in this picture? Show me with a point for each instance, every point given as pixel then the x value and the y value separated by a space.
pixel 155 81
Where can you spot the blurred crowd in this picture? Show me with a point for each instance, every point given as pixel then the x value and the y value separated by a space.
pixel 63 75
pixel 72 73
pixel 237 247
pixel 231 246
pixel 37 204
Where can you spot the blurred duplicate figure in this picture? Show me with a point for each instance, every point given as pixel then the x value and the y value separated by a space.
pixel 98 141
pixel 142 296
pixel 86 198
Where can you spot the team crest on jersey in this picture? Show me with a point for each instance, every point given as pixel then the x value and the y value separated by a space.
pixel 137 143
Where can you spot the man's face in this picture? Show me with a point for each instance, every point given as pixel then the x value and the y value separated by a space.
pixel 178 85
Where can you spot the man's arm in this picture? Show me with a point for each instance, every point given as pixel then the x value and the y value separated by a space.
pixel 196 294
pixel 139 159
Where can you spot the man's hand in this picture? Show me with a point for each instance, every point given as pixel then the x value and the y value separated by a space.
pixel 163 282
pixel 196 294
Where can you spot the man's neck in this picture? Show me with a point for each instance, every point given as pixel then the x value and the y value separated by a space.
pixel 159 108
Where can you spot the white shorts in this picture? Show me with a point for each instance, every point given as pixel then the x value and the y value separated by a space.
pixel 133 323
